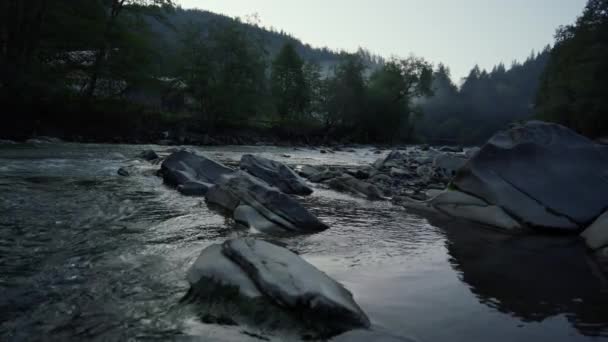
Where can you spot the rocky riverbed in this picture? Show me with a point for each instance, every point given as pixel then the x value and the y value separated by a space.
pixel 94 253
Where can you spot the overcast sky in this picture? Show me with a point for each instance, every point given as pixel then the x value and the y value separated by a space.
pixel 459 33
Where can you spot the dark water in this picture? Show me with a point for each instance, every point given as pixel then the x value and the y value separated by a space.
pixel 88 255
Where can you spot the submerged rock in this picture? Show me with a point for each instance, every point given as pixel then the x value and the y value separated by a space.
pixel 182 167
pixel 248 277
pixel 277 207
pixel 275 174
pixel 544 175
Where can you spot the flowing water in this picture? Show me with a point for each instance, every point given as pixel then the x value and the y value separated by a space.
pixel 88 255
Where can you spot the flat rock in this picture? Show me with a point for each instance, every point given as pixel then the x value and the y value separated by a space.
pixel 242 188
pixel 275 174
pixel 184 166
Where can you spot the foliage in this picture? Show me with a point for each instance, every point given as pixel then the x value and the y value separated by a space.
pixel 574 86
pixel 484 103
pixel 288 84
pixel 225 71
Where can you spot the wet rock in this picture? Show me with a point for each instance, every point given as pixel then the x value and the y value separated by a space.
pixel 275 174
pixel 251 218
pixel 323 151
pixel 381 178
pixel 292 283
pixel 358 173
pixel 393 159
pixel 350 184
pixel 425 171
pixel 542 174
pixel 213 268
pixel 596 235
pixel 397 172
pixel 458 204
pixel 194 188
pixel 148 155
pixel 448 164
pixel 323 176
pixel 183 166
pixel 241 188
pixel 308 171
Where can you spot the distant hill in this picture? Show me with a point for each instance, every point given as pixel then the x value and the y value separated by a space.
pixel 168 32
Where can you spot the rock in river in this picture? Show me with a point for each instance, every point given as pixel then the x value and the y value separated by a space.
pixel 148 155
pixel 544 175
pixel 350 184
pixel 270 276
pixel 182 167
pixel 276 174
pixel 284 211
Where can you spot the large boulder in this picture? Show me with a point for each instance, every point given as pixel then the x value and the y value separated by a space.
pixel 544 175
pixel 240 188
pixel 265 279
pixel 183 166
pixel 275 174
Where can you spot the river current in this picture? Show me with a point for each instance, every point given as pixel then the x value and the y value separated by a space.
pixel 88 255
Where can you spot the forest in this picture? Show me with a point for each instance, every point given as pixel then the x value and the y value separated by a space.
pixel 137 71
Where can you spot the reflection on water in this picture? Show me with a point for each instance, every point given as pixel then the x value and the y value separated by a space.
pixel 85 254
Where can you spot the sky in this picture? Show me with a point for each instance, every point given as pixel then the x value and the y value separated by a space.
pixel 458 33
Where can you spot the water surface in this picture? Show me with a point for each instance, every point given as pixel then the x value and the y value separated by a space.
pixel 86 254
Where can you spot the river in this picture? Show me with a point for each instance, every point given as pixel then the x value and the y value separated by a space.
pixel 88 255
